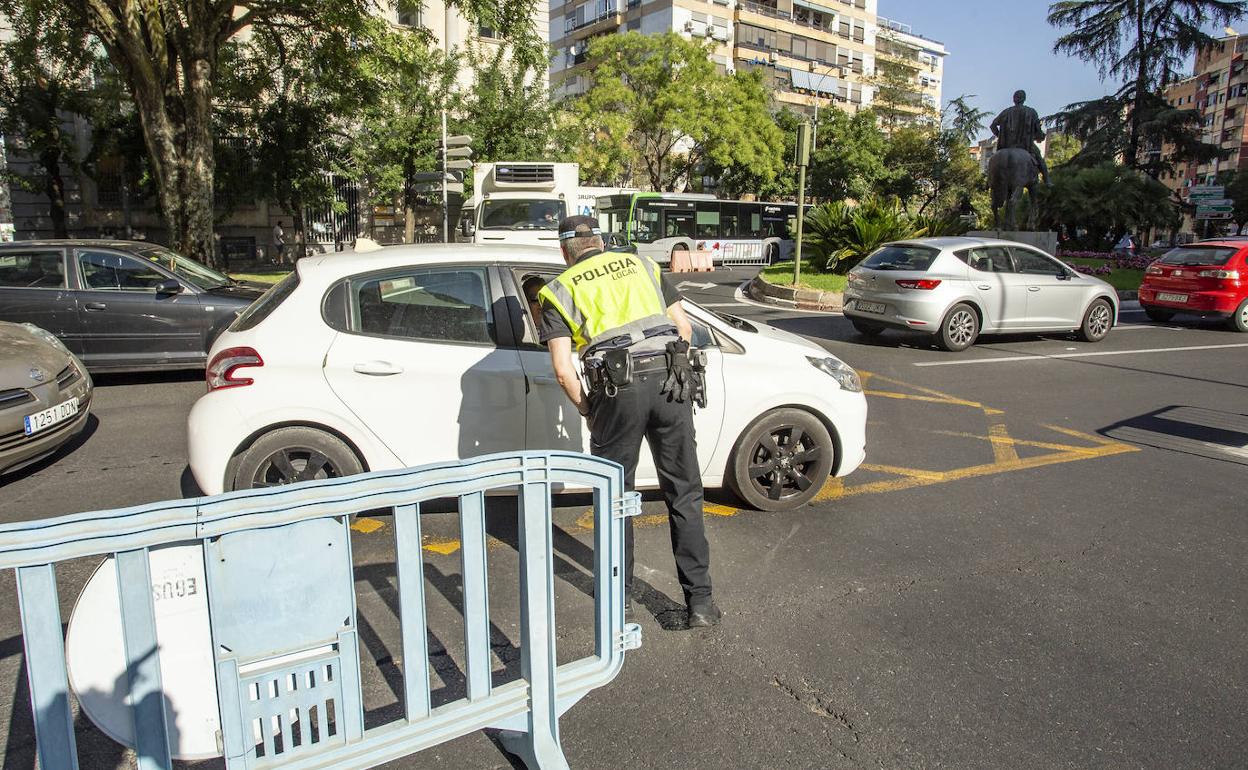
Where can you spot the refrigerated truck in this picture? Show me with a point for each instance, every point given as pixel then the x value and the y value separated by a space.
pixel 519 202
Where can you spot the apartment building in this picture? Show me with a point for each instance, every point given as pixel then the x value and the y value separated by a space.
pixel 810 53
pixel 919 59
pixel 1218 91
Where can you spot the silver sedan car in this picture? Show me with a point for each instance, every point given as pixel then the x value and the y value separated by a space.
pixel 959 288
pixel 45 394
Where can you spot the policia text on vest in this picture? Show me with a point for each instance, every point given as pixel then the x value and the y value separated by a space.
pixel 626 323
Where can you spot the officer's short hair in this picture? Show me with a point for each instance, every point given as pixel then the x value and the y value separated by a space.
pixel 580 233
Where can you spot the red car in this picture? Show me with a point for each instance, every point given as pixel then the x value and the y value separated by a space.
pixel 1209 278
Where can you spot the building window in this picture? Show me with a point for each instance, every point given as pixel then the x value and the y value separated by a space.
pixel 411 14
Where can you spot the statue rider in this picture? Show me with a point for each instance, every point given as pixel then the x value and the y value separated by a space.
pixel 1019 126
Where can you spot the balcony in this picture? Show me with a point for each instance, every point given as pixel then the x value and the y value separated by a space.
pixel 797 22
pixel 601 23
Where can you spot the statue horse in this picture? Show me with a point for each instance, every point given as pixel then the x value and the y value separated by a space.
pixel 1010 171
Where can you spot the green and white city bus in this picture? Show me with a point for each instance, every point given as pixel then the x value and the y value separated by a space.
pixel 735 232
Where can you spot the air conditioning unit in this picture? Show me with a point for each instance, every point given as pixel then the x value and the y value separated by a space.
pixel 773 57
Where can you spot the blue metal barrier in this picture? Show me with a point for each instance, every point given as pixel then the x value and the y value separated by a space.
pixel 287 659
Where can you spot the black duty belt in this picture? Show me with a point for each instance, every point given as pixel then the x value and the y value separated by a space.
pixel 644 363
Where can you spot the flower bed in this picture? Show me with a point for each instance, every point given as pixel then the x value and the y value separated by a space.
pixel 1113 261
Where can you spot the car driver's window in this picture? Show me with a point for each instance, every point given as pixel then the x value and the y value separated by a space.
pixel 1031 263
pixel 702 336
pixel 446 304
pixel 102 271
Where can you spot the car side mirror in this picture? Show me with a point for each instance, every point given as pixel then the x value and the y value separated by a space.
pixel 168 288
pixel 1065 277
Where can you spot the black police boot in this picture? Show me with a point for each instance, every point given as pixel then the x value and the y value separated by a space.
pixel 704 614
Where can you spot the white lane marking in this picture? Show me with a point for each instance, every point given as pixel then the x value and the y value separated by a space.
pixel 1039 357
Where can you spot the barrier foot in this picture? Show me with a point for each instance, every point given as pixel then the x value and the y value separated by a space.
pixel 536 753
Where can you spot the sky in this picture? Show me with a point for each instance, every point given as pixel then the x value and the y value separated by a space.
pixel 997 47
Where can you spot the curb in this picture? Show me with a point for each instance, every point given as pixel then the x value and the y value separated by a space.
pixel 801 299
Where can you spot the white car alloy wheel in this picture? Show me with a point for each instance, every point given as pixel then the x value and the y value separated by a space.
pixel 960 328
pixel 1096 322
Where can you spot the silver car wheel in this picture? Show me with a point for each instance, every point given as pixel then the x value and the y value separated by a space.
pixel 961 327
pixel 1098 324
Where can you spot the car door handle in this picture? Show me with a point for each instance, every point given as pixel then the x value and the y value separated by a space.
pixel 983 287
pixel 377 368
pixel 1033 288
pixel 94 306
pixel 546 379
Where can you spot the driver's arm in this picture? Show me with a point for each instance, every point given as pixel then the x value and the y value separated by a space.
pixel 565 372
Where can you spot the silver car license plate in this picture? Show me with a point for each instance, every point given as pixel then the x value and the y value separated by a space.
pixel 869 307
pixel 51 416
pixel 1164 297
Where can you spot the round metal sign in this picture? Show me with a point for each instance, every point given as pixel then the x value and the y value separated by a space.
pixel 95 653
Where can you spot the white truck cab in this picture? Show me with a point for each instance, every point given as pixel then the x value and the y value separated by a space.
pixel 519 202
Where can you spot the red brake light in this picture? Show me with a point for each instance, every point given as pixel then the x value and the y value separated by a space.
pixel 220 371
pixel 926 284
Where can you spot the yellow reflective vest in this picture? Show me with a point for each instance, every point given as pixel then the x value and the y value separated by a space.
pixel 610 297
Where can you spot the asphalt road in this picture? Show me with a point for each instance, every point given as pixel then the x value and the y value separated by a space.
pixel 1041 565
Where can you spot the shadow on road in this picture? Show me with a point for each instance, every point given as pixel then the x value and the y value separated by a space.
pixel 88 430
pixel 1190 430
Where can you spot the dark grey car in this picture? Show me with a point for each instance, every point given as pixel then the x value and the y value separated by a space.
pixel 119 305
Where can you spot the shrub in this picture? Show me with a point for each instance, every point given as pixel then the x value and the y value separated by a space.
pixel 842 235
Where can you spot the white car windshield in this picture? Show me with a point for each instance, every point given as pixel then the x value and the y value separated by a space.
pixel 521 214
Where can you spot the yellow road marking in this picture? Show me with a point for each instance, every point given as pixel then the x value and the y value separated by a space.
pixel 932 395
pixel 444 547
pixel 716 509
pixel 366 525
pixel 1003 450
pixel 917 473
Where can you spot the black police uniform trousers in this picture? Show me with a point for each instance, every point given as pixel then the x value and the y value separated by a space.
pixel 616 427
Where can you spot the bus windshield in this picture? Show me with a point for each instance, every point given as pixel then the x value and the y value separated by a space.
pixel 521 214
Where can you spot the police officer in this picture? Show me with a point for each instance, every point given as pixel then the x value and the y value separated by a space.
pixel 626 323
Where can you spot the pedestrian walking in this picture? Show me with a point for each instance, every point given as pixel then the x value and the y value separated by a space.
pixel 279 243
pixel 632 335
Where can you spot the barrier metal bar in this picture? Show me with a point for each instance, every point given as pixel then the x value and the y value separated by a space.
pixel 45 666
pixel 290 681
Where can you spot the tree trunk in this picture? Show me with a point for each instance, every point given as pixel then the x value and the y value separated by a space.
pixel 50 159
pixel 199 164
pixel 1141 85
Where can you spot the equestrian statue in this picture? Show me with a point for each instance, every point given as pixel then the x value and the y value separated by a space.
pixel 1017 164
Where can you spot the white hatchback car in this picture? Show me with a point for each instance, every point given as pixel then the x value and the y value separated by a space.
pixel 415 354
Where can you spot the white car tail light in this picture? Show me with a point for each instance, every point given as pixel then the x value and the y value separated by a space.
pixel 926 284
pixel 1226 275
pixel 221 370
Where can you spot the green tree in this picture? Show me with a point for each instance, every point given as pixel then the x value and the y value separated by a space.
pixel 1141 43
pixel 849 161
pixel 738 180
pixel 964 119
pixel 897 101
pixel 659 110
pixel 507 110
pixel 1104 201
pixel 1061 149
pixel 400 130
pixel 930 170
pixel 170 55
pixel 45 69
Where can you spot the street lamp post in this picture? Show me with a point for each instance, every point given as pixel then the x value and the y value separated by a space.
pixel 840 71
